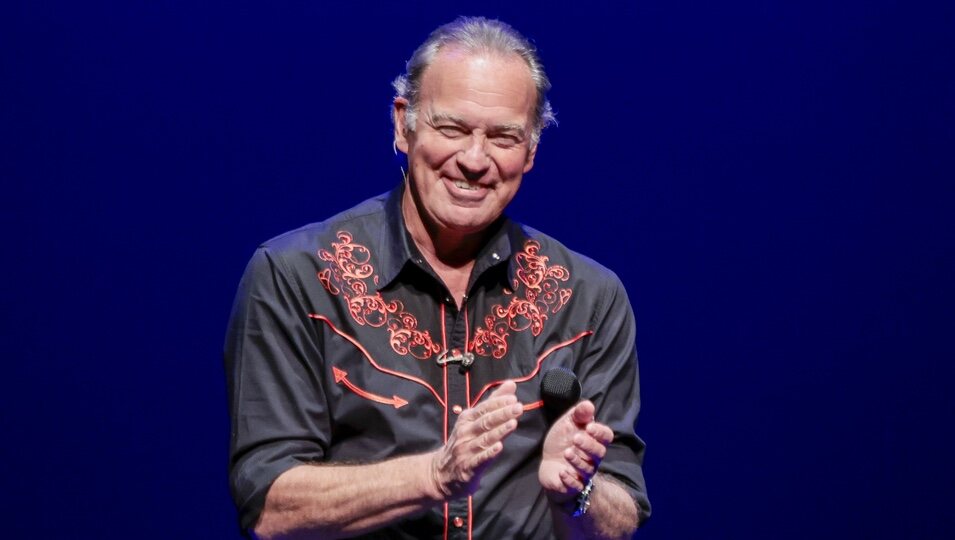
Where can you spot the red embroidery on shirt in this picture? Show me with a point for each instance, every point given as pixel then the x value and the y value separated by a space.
pixel 341 377
pixel 371 359
pixel 540 360
pixel 537 291
pixel 351 275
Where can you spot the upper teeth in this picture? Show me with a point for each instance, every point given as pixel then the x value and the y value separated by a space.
pixel 464 185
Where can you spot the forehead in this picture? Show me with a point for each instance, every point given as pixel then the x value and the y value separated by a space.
pixel 479 87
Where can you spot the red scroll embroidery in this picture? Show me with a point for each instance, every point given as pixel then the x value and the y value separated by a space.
pixel 350 275
pixel 536 292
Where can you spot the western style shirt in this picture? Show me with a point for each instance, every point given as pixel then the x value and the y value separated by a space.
pixel 344 346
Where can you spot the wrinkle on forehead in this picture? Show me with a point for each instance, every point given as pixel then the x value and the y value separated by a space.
pixel 458 56
pixel 482 81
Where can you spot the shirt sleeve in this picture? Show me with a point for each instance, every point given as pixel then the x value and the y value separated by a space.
pixel 277 403
pixel 609 377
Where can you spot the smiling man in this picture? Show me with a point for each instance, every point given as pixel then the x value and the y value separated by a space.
pixel 384 365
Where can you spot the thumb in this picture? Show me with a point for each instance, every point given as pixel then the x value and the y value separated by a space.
pixel 583 413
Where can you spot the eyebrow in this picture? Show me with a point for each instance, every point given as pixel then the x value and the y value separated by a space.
pixel 435 117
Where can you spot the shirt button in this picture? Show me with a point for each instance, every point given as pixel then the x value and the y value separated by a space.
pixel 495 256
pixel 447 299
pixel 458 522
pixel 457 409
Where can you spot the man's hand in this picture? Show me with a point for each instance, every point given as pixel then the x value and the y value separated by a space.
pixel 335 501
pixel 476 441
pixel 572 452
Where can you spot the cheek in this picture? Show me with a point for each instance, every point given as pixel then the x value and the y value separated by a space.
pixel 434 154
pixel 512 166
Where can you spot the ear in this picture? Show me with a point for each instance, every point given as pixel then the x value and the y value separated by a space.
pixel 529 161
pixel 400 110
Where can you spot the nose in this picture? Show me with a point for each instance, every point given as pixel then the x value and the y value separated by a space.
pixel 473 161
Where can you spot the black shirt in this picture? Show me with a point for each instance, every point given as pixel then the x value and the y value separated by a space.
pixel 338 349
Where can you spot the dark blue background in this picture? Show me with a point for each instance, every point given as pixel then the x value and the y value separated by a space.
pixel 771 180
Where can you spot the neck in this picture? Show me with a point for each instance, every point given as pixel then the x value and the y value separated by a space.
pixel 444 249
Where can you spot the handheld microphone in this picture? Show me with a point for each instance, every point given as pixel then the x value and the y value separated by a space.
pixel 560 390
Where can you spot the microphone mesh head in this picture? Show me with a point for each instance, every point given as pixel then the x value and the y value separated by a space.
pixel 560 390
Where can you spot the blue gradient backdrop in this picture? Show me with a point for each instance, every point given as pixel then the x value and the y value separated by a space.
pixel 772 180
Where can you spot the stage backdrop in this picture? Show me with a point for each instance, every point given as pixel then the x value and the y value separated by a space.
pixel 771 180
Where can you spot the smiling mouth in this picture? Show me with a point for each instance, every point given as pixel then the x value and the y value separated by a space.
pixel 464 185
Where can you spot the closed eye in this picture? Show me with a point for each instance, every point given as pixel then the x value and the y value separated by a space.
pixel 505 141
pixel 450 131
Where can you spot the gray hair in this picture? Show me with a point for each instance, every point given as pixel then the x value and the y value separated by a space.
pixel 475 34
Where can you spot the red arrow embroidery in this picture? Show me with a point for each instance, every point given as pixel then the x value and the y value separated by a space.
pixel 371 360
pixel 341 377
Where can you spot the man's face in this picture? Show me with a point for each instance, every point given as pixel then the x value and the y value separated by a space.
pixel 472 142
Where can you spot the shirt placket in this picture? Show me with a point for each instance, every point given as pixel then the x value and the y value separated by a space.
pixel 459 513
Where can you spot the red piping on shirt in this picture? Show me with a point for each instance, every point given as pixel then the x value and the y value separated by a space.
pixel 341 376
pixel 444 343
pixel 540 359
pixel 371 360
pixel 467 376
pixel 536 405
pixel 445 521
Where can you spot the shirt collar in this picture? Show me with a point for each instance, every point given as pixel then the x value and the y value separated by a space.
pixel 398 249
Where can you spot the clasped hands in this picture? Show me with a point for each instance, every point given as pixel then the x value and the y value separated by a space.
pixel 573 447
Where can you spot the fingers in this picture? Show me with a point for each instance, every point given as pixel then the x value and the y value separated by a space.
pixel 504 395
pixel 493 413
pixel 491 437
pixel 573 450
pixel 485 456
pixel 493 419
pixel 477 439
pixel 600 433
pixel 581 462
pixel 507 387
pixel 485 419
pixel 587 448
pixel 572 482
pixel 594 440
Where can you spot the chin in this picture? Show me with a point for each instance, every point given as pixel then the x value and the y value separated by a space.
pixel 464 228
